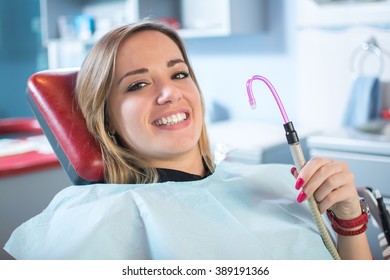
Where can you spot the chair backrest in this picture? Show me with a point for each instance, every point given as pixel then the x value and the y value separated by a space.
pixel 50 93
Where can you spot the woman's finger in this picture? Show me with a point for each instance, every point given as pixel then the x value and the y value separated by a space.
pixel 329 178
pixel 308 171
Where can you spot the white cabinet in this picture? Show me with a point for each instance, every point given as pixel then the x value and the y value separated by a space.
pixel 367 155
pixel 198 18
pixel 205 18
pixel 342 13
pixel 85 21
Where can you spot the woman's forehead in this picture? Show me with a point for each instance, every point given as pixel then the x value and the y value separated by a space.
pixel 147 41
pixel 146 47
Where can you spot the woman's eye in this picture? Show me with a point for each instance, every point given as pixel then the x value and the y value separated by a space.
pixel 136 86
pixel 180 75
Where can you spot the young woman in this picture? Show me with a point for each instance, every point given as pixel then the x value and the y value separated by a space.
pixel 141 101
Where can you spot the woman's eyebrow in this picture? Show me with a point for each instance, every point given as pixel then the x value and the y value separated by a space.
pixel 134 72
pixel 173 62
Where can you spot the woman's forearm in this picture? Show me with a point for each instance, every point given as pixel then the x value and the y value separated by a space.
pixel 354 247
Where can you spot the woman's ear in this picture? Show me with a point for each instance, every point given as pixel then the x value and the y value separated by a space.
pixel 111 134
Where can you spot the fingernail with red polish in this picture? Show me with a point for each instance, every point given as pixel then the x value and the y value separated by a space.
pixel 299 183
pixel 301 197
pixel 293 169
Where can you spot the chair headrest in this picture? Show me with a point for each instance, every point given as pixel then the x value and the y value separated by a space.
pixel 50 94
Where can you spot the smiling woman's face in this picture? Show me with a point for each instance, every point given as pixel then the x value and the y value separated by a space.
pixel 154 103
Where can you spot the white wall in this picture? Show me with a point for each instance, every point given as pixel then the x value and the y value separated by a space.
pixel 327 39
pixel 223 65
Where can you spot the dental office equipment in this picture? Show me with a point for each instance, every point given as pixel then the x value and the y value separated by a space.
pixel 365 103
pixel 297 155
pixel 383 215
pixel 358 60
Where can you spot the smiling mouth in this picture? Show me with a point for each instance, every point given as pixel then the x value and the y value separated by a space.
pixel 172 119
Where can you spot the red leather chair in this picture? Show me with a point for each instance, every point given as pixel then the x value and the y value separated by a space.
pixel 50 94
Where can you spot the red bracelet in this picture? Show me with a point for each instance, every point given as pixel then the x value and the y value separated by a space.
pixel 350 232
pixel 338 224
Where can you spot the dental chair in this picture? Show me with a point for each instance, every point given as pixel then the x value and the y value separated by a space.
pixel 50 93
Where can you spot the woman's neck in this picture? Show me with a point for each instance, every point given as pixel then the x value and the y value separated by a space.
pixel 191 163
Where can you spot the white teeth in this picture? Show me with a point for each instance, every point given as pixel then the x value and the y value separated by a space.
pixel 172 119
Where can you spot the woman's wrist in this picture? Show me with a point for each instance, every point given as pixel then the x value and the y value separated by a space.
pixel 348 209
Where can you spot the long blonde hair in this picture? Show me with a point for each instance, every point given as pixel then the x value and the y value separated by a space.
pixel 94 80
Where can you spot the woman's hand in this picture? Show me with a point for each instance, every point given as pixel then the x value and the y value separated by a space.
pixel 332 184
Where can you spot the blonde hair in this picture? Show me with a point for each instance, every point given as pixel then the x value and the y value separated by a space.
pixel 94 80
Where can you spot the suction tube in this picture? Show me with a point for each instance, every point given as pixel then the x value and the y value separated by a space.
pixel 298 158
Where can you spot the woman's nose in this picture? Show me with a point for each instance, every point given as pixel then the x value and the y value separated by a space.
pixel 168 93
